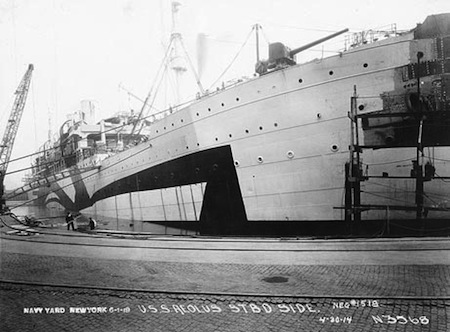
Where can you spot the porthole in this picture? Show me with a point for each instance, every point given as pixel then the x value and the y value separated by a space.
pixel 223 104
pixel 365 65
pixel 290 154
pixel 229 135
pixel 198 114
pixel 173 124
pixel 361 107
pixel 319 116
pixel 217 139
pixel 164 128
pixel 260 159
pixel 237 99
pixel 331 72
pixel 275 124
pixel 236 163
pixel 260 128
pixel 209 109
pixel 198 144
pixel 335 148
pixel 300 81
pixel 246 131
pixel 187 147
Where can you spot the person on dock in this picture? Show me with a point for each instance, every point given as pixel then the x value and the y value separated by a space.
pixel 70 221
pixel 92 223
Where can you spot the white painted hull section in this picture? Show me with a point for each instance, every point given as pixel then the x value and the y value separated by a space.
pixel 289 135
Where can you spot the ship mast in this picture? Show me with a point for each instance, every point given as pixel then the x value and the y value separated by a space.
pixel 177 62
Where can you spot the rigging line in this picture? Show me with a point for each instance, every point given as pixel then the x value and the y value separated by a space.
pixel 385 197
pixel 226 41
pixel 197 78
pixel 61 145
pixel 101 132
pixel 81 179
pixel 440 178
pixel 437 203
pixel 77 181
pixel 170 87
pixel 131 94
pixel 163 62
pixel 269 23
pixel 440 159
pixel 155 94
pixel 33 166
pixel 391 187
pixel 106 131
pixel 406 191
pixel 390 162
pixel 234 59
pixel 264 34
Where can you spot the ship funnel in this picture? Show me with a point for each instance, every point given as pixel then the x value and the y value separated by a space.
pixel 201 53
pixel 314 43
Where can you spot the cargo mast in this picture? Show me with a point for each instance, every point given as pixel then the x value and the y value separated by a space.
pixel 176 60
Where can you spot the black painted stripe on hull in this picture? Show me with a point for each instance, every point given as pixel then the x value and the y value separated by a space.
pixel 222 209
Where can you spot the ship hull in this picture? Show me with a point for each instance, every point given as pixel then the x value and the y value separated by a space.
pixel 269 156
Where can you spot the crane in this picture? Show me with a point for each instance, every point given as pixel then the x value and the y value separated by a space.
pixel 11 129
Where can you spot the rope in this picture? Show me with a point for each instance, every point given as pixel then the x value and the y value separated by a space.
pixel 234 59
pixel 163 64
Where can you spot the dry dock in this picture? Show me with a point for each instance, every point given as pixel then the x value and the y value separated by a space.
pixel 54 280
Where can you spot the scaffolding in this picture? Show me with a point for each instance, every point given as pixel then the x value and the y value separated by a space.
pixel 354 174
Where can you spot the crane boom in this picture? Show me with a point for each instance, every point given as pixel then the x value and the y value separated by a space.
pixel 11 128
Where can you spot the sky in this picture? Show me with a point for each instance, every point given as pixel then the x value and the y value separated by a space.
pixel 110 50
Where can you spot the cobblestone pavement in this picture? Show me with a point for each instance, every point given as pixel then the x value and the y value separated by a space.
pixel 255 296
pixel 316 280
pixel 56 309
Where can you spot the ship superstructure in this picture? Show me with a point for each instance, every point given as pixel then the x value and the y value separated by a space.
pixel 300 148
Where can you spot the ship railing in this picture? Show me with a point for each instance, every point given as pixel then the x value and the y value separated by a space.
pixel 370 36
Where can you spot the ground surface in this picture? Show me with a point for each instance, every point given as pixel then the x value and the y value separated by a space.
pixel 179 284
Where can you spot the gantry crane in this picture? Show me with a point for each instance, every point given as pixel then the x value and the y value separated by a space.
pixel 11 129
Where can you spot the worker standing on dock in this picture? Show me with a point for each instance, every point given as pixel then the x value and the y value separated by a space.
pixel 92 223
pixel 70 221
